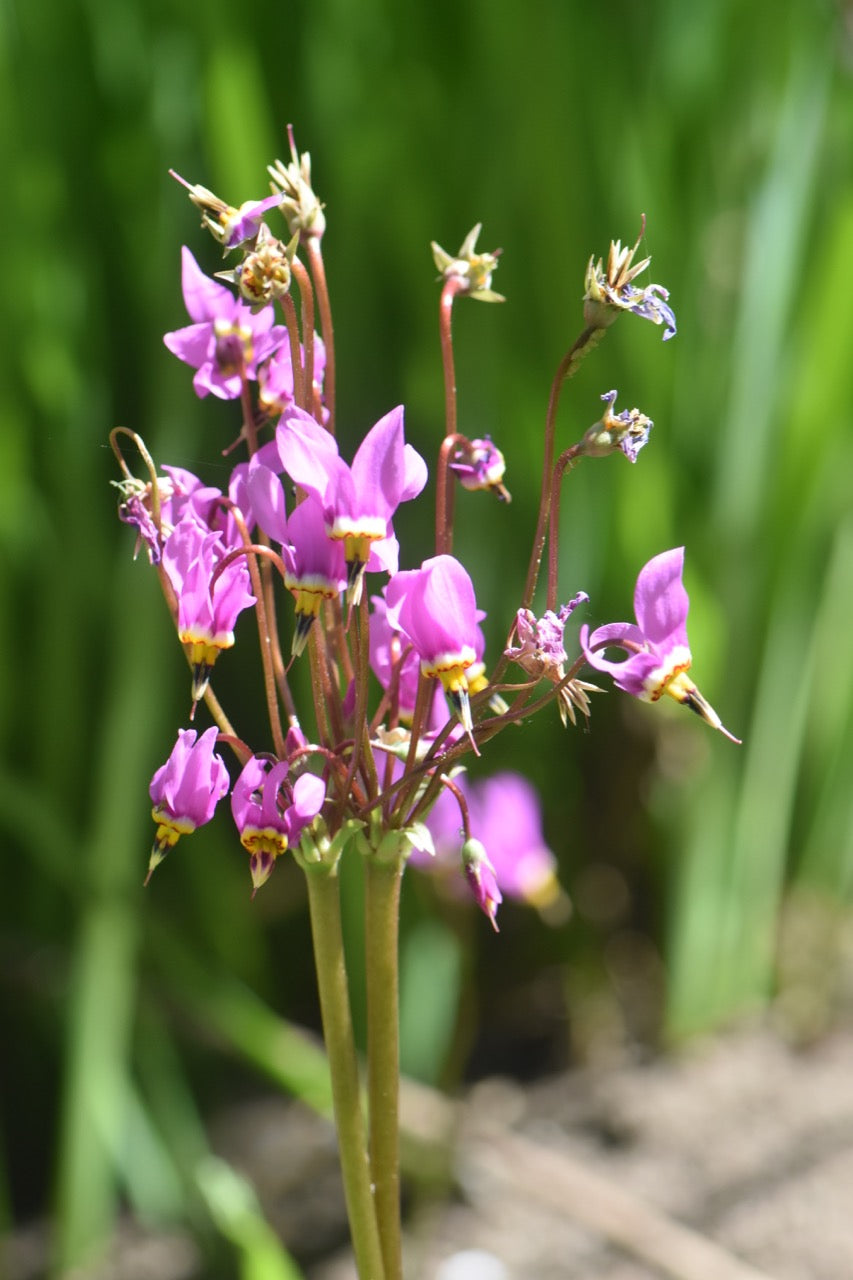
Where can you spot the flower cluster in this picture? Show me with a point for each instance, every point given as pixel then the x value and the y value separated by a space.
pixel 401 686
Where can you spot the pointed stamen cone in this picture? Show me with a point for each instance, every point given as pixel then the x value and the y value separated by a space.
pixel 158 853
pixel 355 582
pixel 261 865
pixel 462 707
pixel 201 676
pixel 696 702
pixel 304 622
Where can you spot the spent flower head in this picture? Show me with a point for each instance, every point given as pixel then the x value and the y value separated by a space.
pixel 611 289
pixel 228 225
pixel 265 273
pixel 471 272
pixel 540 651
pixel 627 431
pixel 299 203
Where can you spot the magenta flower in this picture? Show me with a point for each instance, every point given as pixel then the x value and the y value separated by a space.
pixel 479 464
pixel 358 501
pixel 657 647
pixel 393 657
pixel 206 617
pixel 505 815
pixel 275 378
pixel 186 790
pixel 481 878
pixel 227 340
pixel 435 607
pixel 314 566
pixel 270 811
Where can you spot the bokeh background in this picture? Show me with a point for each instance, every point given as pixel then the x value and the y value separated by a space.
pixel 708 882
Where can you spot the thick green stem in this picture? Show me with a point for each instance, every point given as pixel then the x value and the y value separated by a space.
pixel 382 914
pixel 324 902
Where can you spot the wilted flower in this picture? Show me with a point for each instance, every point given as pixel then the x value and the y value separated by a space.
pixel 185 790
pixel 265 273
pixel 299 204
pixel 658 650
pixel 628 431
pixel 541 653
pixel 228 225
pixel 471 271
pixel 611 290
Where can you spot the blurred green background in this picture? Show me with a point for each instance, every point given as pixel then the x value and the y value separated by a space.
pixel 707 881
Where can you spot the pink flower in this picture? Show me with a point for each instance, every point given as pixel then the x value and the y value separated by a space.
pixel 481 878
pixel 270 811
pixel 206 615
pixel 314 567
pixel 435 607
pixel 186 790
pixel 227 341
pixel 658 651
pixel 505 816
pixel 358 501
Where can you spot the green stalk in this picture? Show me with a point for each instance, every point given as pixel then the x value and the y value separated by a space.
pixel 324 903
pixel 382 914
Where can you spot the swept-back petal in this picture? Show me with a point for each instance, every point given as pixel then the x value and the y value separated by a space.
pixel 204 299
pixel 660 600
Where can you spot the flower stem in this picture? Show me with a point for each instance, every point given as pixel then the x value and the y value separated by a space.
pixel 382 912
pixel 325 906
pixel 583 344
pixel 565 460
pixel 318 271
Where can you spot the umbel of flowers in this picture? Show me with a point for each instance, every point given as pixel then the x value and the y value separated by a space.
pixel 373 766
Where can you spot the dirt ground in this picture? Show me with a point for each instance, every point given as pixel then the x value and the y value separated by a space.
pixel 733 1161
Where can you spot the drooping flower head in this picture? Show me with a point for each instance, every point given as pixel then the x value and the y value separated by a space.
pixel 227 340
pixel 657 647
pixel 314 567
pixel 505 816
pixel 628 431
pixel 270 811
pixel 207 609
pixel 358 501
pixel 481 878
pixel 436 608
pixel 186 790
pixel 479 464
pixel 541 653
pixel 611 289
